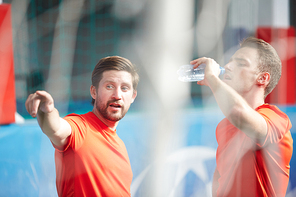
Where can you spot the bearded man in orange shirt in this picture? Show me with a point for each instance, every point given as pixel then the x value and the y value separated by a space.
pixel 254 140
pixel 91 160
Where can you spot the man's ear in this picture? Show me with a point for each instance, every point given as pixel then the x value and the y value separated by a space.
pixel 134 95
pixel 263 79
pixel 93 91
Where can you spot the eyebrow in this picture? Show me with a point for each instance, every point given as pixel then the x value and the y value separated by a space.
pixel 239 59
pixel 123 83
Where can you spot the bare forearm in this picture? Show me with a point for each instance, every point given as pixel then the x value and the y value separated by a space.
pixel 41 104
pixel 237 110
pixel 52 125
pixel 229 101
pixel 49 122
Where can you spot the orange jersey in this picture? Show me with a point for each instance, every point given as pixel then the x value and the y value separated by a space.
pixel 251 168
pixel 94 162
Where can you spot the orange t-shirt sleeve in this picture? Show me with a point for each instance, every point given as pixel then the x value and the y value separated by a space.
pixel 78 131
pixel 278 124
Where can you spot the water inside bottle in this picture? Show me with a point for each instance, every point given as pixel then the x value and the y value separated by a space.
pixel 188 74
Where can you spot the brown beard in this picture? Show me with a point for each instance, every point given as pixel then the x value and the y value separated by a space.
pixel 103 110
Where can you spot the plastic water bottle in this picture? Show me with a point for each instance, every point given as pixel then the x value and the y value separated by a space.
pixel 188 74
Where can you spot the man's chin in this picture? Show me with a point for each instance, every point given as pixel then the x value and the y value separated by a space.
pixel 114 117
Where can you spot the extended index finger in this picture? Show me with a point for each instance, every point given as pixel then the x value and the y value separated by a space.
pixel 32 104
pixel 42 93
pixel 35 106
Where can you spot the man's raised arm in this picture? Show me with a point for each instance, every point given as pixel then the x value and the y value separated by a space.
pixel 41 105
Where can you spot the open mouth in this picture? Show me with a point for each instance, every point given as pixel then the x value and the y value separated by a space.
pixel 115 105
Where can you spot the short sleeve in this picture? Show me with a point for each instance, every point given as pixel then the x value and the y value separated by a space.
pixel 278 124
pixel 78 130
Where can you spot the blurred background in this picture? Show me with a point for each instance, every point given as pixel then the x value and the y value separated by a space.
pixel 169 131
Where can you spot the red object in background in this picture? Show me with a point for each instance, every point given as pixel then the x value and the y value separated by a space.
pixel 7 85
pixel 283 40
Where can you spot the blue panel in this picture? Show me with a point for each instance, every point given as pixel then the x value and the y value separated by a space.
pixel 27 157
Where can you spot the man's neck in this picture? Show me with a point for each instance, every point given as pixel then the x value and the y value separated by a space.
pixel 111 124
pixel 254 100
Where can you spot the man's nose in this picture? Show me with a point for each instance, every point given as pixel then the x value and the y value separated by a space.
pixel 117 94
pixel 228 66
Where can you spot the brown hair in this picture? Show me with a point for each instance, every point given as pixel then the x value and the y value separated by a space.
pixel 268 60
pixel 114 63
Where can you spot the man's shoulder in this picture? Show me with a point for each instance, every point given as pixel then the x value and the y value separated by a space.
pixel 79 118
pixel 82 116
pixel 271 110
pixel 278 121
